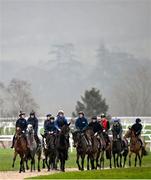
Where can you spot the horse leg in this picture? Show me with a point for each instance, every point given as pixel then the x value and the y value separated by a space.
pixel 114 160
pixel 124 161
pixel 14 159
pixel 82 161
pixel 130 154
pixel 120 160
pixel 77 161
pixel 34 163
pixel 39 157
pixel 92 163
pixel 135 160
pixel 140 159
pixel 88 158
pixel 46 161
pixel 43 163
pixel 27 167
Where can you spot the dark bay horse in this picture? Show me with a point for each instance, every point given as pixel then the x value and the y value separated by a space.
pixel 94 151
pixel 105 148
pixel 86 145
pixel 62 146
pixel 50 150
pixel 21 148
pixel 135 147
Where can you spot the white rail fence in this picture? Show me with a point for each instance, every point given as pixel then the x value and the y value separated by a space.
pixel 7 124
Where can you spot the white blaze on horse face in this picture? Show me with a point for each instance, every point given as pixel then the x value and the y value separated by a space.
pixel 29 127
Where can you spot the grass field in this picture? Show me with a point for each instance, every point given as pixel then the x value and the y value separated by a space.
pixel 128 173
pixel 6 156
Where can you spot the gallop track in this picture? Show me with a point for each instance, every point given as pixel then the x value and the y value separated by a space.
pixel 10 175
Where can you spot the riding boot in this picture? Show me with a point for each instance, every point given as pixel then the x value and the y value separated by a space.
pixel 13 142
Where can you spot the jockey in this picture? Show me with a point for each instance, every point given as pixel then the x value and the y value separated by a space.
pixel 60 120
pixel 22 123
pixel 137 127
pixel 106 126
pixel 95 125
pixel 117 127
pixel 81 122
pixel 34 122
pixel 49 125
pixel 105 123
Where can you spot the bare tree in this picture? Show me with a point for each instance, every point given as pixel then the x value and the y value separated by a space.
pixel 133 94
pixel 21 97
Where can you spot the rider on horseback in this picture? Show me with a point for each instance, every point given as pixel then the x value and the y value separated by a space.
pixel 95 125
pixel 117 128
pixel 81 125
pixel 81 122
pixel 34 122
pixel 22 123
pixel 49 125
pixel 137 128
pixel 106 126
pixel 61 120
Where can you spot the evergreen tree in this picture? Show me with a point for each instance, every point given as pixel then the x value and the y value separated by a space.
pixel 92 103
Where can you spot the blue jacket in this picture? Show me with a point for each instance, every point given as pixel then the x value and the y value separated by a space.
pixel 49 126
pixel 81 123
pixel 60 121
pixel 22 123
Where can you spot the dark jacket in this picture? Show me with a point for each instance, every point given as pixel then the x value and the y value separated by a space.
pixel 137 127
pixel 22 123
pixel 49 126
pixel 34 123
pixel 60 121
pixel 96 126
pixel 81 123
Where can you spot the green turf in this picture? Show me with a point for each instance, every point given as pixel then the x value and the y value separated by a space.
pixel 6 156
pixel 129 173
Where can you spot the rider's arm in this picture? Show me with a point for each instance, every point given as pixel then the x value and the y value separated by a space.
pixel 56 125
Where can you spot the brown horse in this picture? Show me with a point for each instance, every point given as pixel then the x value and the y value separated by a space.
pixel 135 147
pixel 21 148
pixel 94 151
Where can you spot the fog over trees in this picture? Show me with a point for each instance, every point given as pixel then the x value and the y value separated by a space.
pixel 123 80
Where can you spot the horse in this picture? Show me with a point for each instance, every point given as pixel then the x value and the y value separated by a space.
pixel 50 150
pixel 83 144
pixel 135 147
pixel 104 148
pixel 62 146
pixel 21 148
pixel 34 150
pixel 94 151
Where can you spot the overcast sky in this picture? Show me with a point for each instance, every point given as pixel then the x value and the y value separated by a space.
pixel 30 27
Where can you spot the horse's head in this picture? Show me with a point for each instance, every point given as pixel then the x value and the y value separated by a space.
pixel 128 134
pixel 30 129
pixel 65 130
pixel 18 131
pixel 116 129
pixel 89 132
pixel 50 141
pixel 76 137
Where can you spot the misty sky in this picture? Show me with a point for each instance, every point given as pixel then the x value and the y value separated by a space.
pixel 30 27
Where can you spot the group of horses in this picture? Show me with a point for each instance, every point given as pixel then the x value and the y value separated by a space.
pixel 93 146
pixel 55 149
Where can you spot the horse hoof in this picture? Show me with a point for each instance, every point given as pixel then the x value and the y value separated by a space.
pixel 38 170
